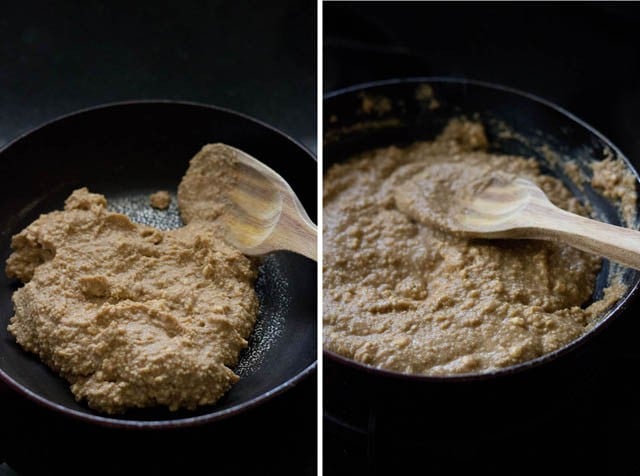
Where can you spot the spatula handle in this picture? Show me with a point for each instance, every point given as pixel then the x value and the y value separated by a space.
pixel 619 244
pixel 295 231
pixel 303 238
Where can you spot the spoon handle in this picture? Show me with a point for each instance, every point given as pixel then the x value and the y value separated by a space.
pixel 295 231
pixel 614 242
pixel 301 238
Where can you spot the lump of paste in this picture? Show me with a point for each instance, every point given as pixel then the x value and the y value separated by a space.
pixel 160 199
pixel 202 193
pixel 131 316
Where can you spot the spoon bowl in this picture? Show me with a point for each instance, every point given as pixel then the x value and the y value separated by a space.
pixel 263 212
pixel 513 207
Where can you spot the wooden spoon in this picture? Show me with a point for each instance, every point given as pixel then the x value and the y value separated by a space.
pixel 265 214
pixel 512 207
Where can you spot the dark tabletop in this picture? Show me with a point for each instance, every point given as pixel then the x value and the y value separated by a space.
pixel 258 58
pixel 585 58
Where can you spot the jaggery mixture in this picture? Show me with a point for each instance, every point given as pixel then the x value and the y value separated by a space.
pixel 130 315
pixel 403 295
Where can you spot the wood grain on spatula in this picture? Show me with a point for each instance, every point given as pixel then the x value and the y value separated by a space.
pixel 265 214
pixel 256 209
pixel 513 207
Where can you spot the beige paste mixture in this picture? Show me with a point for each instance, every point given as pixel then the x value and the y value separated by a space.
pixel 130 315
pixel 405 296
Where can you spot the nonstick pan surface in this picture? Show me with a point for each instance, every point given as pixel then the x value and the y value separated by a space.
pixel 399 112
pixel 127 151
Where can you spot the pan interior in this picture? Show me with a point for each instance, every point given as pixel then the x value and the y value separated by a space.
pixel 418 109
pixel 128 152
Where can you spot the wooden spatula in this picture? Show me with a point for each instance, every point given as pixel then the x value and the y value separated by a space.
pixel 265 214
pixel 512 207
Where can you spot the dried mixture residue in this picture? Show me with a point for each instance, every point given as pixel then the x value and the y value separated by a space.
pixel 613 179
pixel 378 104
pixel 425 95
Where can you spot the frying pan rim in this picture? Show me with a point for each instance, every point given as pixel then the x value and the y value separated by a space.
pixel 614 313
pixel 198 420
pixel 151 101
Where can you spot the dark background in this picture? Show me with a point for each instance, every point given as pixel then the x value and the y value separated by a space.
pixel 258 58
pixel 585 58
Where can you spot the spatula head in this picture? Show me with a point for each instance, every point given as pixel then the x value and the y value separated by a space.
pixel 468 201
pixel 499 206
pixel 254 204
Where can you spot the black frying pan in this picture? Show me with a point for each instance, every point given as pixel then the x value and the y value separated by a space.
pixel 353 391
pixel 127 151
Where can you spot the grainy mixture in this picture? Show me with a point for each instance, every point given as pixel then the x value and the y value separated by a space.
pixel 130 315
pixel 407 297
pixel 202 191
pixel 612 179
